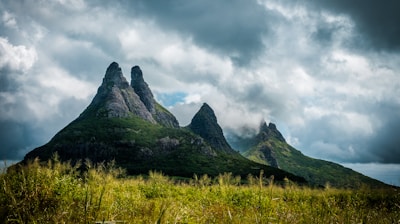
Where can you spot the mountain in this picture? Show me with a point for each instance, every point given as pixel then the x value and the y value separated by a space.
pixel 205 124
pixel 269 147
pixel 115 98
pixel 160 114
pixel 124 123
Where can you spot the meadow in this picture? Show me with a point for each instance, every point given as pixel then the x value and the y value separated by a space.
pixel 58 192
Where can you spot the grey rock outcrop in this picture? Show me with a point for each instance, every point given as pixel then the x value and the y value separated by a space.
pixel 142 89
pixel 268 155
pixel 116 98
pixel 269 131
pixel 204 123
pixel 160 114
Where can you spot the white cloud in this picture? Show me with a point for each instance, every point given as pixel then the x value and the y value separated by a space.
pixel 193 98
pixel 295 12
pixel 302 83
pixel 49 88
pixel 17 58
pixel 62 84
pixel 9 20
pixel 73 4
pixel 330 151
pixel 145 40
pixel 177 56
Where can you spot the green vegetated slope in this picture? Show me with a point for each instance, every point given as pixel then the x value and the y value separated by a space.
pixel 127 125
pixel 139 146
pixel 269 147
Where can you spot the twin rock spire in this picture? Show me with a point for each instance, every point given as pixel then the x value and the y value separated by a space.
pixel 116 98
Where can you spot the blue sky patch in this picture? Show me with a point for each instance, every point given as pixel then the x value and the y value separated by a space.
pixel 170 99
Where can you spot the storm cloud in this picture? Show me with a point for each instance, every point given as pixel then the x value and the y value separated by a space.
pixel 231 28
pixel 376 22
pixel 326 72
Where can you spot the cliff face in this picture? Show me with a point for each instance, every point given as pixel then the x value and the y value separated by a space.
pixel 204 123
pixel 160 114
pixel 116 98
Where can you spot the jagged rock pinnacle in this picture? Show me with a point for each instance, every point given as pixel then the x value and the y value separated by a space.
pixel 269 131
pixel 204 123
pixel 160 114
pixel 142 89
pixel 114 76
pixel 137 74
pixel 116 98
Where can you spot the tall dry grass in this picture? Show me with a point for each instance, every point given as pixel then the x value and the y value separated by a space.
pixel 61 193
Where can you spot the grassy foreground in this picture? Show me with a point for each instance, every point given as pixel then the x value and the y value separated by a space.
pixel 59 193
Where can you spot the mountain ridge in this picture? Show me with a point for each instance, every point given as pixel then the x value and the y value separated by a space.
pixel 269 147
pixel 124 123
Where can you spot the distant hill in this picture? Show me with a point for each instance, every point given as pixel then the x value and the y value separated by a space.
pixel 269 147
pixel 124 123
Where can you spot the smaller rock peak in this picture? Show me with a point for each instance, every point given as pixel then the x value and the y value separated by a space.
pixel 269 131
pixel 142 89
pixel 205 106
pixel 160 114
pixel 206 109
pixel 136 74
pixel 272 126
pixel 263 126
pixel 204 123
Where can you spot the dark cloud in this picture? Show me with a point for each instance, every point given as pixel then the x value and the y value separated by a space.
pixel 20 136
pixel 376 21
pixel 325 32
pixel 7 82
pixel 16 139
pixel 342 138
pixel 321 138
pixel 385 143
pixel 233 28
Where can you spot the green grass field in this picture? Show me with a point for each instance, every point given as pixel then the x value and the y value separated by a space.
pixel 60 193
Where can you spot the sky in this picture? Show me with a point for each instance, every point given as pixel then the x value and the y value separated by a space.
pixel 327 73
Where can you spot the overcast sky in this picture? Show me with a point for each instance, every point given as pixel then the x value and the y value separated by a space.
pixel 326 72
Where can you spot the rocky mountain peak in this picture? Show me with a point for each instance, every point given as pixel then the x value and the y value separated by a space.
pixel 272 126
pixel 114 76
pixel 207 111
pixel 204 123
pixel 160 114
pixel 269 131
pixel 116 98
pixel 142 89
pixel 137 74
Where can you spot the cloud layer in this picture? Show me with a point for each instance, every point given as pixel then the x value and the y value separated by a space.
pixel 326 72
